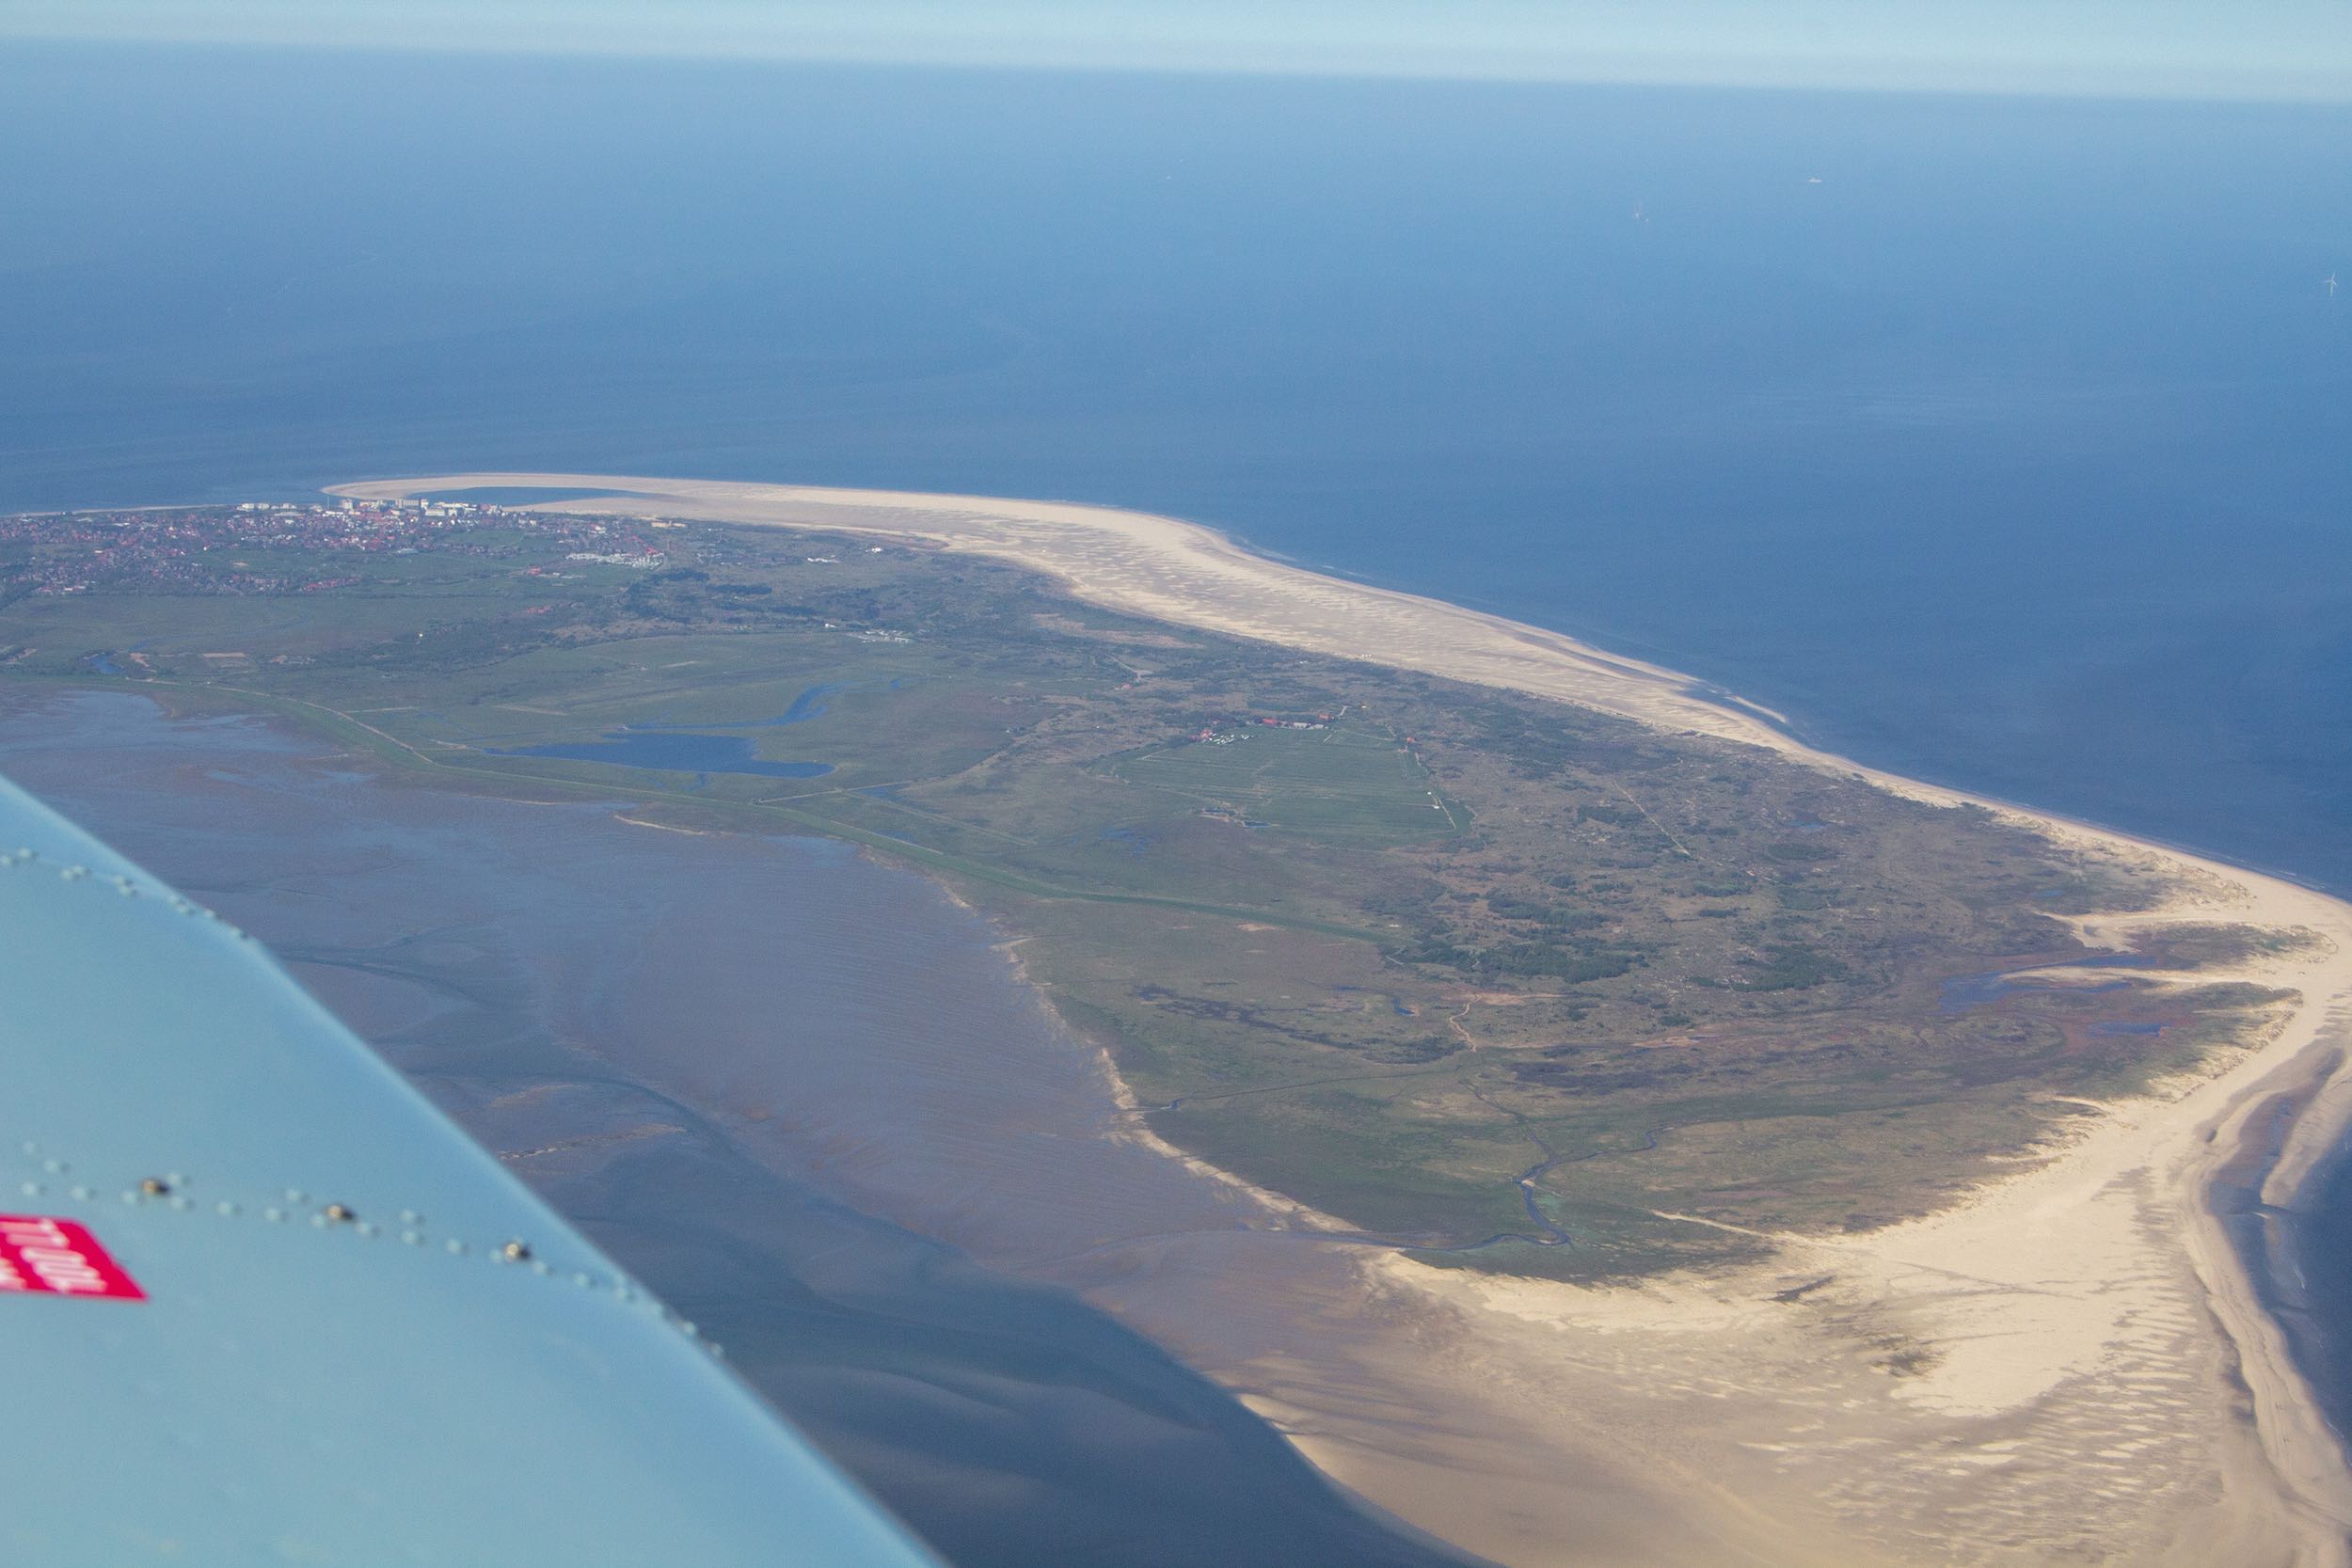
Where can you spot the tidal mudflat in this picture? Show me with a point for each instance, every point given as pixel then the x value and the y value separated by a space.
pixel 804 1096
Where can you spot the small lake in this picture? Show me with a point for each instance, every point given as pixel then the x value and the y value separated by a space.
pixel 809 705
pixel 690 748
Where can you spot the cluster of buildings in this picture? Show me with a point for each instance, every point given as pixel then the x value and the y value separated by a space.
pixel 191 549
pixel 641 561
pixel 1209 734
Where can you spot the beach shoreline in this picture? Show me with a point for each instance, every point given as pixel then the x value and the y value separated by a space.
pixel 2096 1291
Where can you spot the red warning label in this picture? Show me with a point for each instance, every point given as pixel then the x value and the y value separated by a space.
pixel 57 1258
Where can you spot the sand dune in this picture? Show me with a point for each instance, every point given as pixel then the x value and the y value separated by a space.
pixel 2069 1364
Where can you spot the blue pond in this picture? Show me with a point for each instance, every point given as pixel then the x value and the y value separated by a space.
pixel 684 749
pixel 809 705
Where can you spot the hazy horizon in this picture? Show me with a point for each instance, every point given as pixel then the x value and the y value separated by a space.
pixel 2298 51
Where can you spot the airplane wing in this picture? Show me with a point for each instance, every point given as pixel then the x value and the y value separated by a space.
pixel 260 1303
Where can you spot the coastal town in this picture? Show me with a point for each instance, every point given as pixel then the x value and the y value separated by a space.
pixel 228 550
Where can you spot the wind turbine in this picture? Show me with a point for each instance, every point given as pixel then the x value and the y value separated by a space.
pixel 2330 281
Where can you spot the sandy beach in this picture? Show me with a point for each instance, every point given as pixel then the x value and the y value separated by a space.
pixel 2086 1372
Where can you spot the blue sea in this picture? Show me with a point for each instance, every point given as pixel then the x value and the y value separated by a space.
pixel 2003 442
pixel 2013 453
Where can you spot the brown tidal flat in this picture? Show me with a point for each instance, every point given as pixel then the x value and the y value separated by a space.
pixel 2068 1364
pixel 697 1046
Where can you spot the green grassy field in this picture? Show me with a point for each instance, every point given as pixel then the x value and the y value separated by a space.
pixel 1382 978
pixel 1348 786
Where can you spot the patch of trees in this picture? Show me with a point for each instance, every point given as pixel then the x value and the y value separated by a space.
pixel 1574 963
pixel 1552 917
pixel 1791 966
pixel 1570 1078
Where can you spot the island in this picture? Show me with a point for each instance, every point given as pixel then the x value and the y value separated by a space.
pixel 1737 1154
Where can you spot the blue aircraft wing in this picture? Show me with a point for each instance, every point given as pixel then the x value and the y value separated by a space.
pixel 260 1303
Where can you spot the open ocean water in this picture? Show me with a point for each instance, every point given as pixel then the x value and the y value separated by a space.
pixel 2005 443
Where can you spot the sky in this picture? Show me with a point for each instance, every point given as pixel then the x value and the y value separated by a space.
pixel 2207 49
